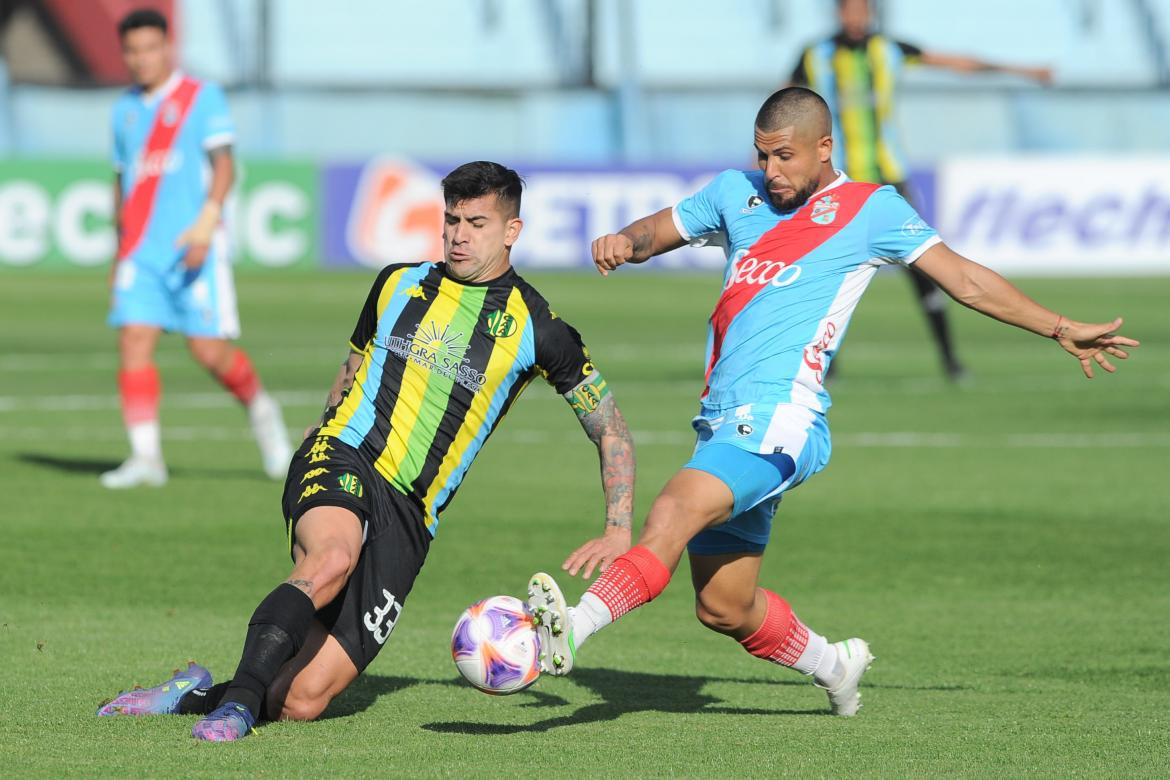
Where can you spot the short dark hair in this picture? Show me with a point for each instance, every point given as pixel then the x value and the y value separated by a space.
pixel 795 106
pixel 476 179
pixel 142 17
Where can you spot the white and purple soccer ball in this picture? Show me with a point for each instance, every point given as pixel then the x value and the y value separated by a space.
pixel 495 646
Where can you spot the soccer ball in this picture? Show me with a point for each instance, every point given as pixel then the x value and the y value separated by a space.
pixel 495 646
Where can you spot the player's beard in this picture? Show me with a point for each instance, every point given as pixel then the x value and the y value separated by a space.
pixel 796 200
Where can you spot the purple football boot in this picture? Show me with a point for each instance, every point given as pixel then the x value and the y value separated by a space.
pixel 226 723
pixel 162 699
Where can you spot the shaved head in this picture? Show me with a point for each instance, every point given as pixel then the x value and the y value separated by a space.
pixel 794 146
pixel 795 107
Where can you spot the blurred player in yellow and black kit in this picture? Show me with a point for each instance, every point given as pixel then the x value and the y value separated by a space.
pixel 439 354
pixel 856 71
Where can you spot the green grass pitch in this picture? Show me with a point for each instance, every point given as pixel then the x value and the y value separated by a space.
pixel 1003 545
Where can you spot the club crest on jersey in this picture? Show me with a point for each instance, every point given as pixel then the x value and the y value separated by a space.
pixel 824 211
pixel 501 324
pixel 170 113
pixel 752 202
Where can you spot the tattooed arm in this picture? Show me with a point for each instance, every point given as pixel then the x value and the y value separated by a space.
pixel 606 428
pixel 637 242
pixel 340 389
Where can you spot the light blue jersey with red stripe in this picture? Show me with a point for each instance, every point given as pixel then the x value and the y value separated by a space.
pixel 160 149
pixel 792 280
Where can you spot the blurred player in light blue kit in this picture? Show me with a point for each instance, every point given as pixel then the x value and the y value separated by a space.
pixel 173 271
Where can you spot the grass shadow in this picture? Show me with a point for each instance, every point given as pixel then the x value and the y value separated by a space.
pixel 95 466
pixel 621 693
pixel 68 465
pixel 626 692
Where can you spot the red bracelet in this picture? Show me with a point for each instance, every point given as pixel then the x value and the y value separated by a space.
pixel 1056 330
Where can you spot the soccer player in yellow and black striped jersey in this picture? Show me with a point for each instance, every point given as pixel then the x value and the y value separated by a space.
pixel 856 71
pixel 440 352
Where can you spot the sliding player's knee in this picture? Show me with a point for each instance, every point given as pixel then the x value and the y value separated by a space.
pixel 328 568
pixel 305 701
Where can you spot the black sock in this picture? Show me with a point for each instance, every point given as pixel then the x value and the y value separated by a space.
pixel 203 700
pixel 934 307
pixel 276 633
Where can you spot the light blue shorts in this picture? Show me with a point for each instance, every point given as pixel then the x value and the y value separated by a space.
pixel 759 451
pixel 198 303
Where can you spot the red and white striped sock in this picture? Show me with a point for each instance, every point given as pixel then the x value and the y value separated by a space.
pixel 784 640
pixel 633 579
pixel 140 390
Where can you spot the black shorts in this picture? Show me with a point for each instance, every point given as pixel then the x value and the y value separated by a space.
pixel 328 472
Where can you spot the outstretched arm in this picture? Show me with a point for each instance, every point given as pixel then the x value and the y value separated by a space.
pixel 979 288
pixel 961 64
pixel 638 242
pixel 606 428
pixel 341 386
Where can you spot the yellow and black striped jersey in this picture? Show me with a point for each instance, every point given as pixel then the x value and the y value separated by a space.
pixel 858 80
pixel 443 361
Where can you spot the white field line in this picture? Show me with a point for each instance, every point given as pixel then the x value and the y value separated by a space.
pixel 872 440
pixel 292 356
pixel 214 399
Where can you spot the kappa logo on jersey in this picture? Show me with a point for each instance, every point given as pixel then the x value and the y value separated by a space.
pixel 415 292
pixel 313 474
pixel 397 212
pixel 311 490
pixel 501 324
pixel 320 450
pixel 824 211
pixel 744 412
pixel 441 351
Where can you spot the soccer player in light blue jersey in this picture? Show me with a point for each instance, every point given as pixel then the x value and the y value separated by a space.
pixel 803 241
pixel 173 168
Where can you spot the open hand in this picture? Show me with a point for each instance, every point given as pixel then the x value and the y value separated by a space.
pixel 1090 343
pixel 598 553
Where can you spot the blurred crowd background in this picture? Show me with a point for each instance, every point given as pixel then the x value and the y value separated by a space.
pixel 348 112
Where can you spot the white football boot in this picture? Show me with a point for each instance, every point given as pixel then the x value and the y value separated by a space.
pixel 134 472
pixel 554 626
pixel 854 655
pixel 268 428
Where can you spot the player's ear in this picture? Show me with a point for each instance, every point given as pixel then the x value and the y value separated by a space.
pixel 512 231
pixel 825 149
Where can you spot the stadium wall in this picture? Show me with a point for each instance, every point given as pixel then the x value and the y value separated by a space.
pixel 1030 215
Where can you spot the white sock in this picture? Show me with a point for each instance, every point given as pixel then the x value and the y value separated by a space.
pixel 812 655
pixel 829 669
pixel 260 402
pixel 145 440
pixel 589 616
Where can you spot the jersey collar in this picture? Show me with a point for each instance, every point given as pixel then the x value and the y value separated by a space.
pixel 163 91
pixel 835 183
